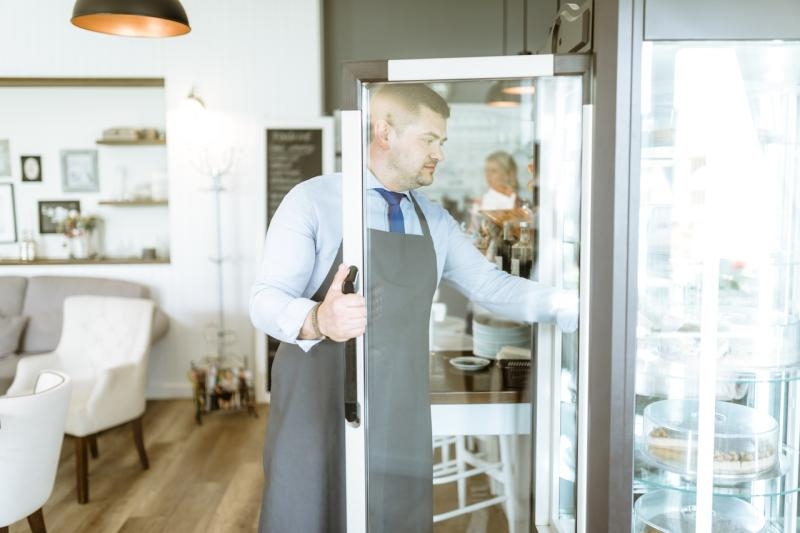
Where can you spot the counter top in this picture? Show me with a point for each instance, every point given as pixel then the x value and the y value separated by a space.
pixel 450 385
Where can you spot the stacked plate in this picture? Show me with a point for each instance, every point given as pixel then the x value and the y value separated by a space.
pixel 490 334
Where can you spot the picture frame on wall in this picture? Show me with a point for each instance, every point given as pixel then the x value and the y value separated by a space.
pixel 53 212
pixel 31 166
pixel 79 171
pixel 5 158
pixel 8 214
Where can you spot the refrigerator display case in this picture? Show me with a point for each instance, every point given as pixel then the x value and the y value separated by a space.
pixel 718 303
pixel 507 399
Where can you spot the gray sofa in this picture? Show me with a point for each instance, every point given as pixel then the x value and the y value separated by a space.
pixel 37 303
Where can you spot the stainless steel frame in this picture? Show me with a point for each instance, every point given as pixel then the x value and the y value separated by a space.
pixel 355 74
pixel 619 32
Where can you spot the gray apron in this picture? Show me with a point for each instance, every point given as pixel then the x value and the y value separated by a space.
pixel 402 276
pixel 304 452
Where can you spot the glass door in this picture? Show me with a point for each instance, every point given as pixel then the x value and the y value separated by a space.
pixel 462 211
pixel 718 327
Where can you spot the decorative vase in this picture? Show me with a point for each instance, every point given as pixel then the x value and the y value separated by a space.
pixel 80 246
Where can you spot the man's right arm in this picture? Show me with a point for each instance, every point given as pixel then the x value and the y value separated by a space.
pixel 277 305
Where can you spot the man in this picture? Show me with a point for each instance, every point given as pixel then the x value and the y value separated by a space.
pixel 412 244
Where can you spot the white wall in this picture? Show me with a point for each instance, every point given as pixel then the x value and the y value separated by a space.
pixel 44 121
pixel 253 61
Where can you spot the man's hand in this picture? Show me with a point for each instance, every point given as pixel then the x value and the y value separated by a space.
pixel 565 311
pixel 341 316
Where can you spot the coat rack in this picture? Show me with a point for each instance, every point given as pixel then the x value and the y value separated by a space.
pixel 219 335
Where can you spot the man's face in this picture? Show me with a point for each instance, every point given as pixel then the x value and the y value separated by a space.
pixel 416 148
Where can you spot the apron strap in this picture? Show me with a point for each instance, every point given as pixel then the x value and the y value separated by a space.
pixel 326 283
pixel 423 222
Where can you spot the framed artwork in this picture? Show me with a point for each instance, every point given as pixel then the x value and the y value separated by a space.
pixel 8 214
pixel 31 167
pixel 5 158
pixel 53 212
pixel 79 171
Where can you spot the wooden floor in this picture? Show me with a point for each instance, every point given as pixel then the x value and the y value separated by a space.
pixel 202 478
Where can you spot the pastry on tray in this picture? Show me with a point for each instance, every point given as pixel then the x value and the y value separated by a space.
pixel 745 440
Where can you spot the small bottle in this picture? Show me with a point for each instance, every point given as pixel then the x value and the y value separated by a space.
pixel 522 253
pixel 504 246
pixel 27 247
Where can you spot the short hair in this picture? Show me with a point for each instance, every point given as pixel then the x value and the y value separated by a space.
pixel 505 161
pixel 411 96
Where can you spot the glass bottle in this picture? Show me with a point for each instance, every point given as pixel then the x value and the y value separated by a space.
pixel 522 253
pixel 27 247
pixel 504 246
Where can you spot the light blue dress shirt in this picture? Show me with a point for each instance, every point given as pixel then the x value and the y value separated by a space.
pixel 304 236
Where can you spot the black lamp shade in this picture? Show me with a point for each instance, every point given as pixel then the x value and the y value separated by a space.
pixel 133 18
pixel 499 98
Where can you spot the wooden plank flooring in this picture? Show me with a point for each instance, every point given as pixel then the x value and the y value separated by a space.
pixel 202 478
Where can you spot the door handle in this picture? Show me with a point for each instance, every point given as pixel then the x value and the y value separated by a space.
pixel 351 413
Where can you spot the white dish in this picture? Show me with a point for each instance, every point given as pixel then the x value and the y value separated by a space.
pixel 490 334
pixel 469 362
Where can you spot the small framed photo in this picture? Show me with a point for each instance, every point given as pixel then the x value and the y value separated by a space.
pixel 53 212
pixel 31 167
pixel 5 158
pixel 79 171
pixel 8 214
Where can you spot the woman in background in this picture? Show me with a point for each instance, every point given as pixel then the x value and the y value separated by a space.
pixel 501 177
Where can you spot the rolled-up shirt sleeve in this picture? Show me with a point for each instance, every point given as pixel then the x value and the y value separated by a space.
pixel 483 283
pixel 277 305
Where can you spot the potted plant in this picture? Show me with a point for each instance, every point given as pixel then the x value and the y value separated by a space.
pixel 79 231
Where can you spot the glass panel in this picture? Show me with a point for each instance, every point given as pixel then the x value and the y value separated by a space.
pixel 448 406
pixel 559 134
pixel 719 287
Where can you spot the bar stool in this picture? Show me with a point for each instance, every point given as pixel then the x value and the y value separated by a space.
pixel 467 463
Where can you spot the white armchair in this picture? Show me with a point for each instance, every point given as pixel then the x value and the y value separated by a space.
pixel 104 347
pixel 31 433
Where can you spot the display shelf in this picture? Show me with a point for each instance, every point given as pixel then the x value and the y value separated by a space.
pixel 772 483
pixel 661 373
pixel 133 203
pixel 141 142
pixel 98 261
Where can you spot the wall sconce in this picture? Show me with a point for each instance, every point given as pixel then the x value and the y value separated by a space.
pixel 139 18
pixel 193 102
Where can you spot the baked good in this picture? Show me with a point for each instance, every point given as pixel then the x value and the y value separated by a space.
pixel 746 457
pixel 745 440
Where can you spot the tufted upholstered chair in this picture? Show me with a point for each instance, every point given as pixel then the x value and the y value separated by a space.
pixel 104 347
pixel 31 433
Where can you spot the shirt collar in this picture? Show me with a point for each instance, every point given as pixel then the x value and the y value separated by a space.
pixel 373 183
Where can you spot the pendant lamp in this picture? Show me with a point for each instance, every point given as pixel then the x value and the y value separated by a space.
pixel 524 86
pixel 497 96
pixel 132 18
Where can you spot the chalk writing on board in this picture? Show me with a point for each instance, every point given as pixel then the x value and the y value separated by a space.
pixel 293 155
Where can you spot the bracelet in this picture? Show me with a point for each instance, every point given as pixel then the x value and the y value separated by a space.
pixel 315 321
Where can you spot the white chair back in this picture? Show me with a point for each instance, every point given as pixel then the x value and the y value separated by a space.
pixel 104 331
pixel 31 433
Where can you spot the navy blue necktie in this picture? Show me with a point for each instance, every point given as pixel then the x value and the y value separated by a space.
pixel 396 223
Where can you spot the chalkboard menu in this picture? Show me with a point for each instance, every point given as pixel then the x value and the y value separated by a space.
pixel 293 155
